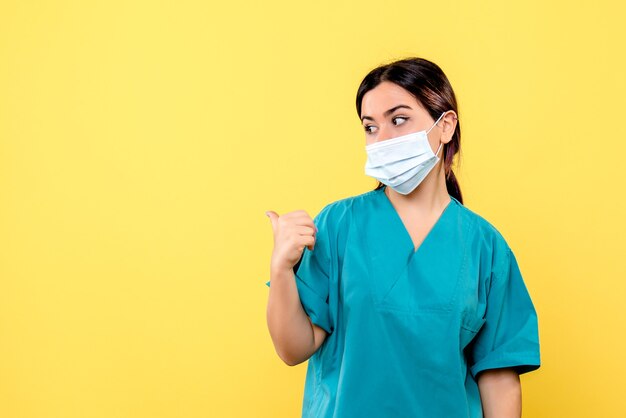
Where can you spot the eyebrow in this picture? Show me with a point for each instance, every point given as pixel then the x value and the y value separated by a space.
pixel 393 109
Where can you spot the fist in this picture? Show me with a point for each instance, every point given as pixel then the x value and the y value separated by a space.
pixel 292 232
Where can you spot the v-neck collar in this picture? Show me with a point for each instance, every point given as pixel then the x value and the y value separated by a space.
pixel 401 227
pixel 390 256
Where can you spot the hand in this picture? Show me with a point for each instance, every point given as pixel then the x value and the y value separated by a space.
pixel 292 232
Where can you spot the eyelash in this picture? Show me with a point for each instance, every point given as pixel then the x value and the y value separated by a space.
pixel 366 127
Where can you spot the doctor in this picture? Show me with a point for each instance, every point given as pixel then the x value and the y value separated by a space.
pixel 405 302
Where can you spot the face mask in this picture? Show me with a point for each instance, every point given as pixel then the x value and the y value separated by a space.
pixel 402 162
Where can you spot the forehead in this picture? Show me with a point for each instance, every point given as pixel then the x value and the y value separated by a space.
pixel 385 96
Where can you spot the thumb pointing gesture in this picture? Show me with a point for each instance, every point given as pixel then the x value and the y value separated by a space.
pixel 273 218
pixel 293 231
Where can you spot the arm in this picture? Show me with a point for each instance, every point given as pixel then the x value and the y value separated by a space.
pixel 500 393
pixel 508 343
pixel 294 336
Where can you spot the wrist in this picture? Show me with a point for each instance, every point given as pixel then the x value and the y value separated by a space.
pixel 278 268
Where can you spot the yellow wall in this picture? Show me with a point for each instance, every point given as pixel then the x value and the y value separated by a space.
pixel 141 143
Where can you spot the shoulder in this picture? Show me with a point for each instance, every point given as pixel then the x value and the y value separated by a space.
pixel 337 214
pixel 343 207
pixel 485 235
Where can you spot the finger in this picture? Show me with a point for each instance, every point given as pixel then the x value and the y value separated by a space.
pixel 305 230
pixel 299 217
pixel 273 219
pixel 304 221
pixel 297 214
pixel 308 241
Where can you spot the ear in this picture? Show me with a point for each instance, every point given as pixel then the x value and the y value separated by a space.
pixel 448 125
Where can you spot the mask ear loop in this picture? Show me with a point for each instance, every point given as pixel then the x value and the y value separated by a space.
pixel 441 143
pixel 436 122
pixel 436 154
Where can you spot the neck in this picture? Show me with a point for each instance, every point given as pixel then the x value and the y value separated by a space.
pixel 430 195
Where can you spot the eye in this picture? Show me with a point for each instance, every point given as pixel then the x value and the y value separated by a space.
pixel 400 117
pixel 404 118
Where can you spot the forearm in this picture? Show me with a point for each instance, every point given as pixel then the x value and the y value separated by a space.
pixel 289 326
pixel 500 393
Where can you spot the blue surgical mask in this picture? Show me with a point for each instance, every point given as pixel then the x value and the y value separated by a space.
pixel 402 162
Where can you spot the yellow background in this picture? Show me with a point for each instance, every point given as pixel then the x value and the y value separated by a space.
pixel 141 143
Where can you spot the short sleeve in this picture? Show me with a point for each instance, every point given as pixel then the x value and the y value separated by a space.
pixel 314 274
pixel 510 334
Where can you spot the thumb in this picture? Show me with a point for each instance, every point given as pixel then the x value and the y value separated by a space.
pixel 273 218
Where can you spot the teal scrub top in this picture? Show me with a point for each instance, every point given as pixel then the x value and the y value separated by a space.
pixel 409 331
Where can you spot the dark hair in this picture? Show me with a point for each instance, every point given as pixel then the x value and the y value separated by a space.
pixel 430 86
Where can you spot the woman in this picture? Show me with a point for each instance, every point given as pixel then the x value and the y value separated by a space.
pixel 405 302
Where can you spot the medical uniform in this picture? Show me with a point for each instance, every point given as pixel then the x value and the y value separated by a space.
pixel 409 331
